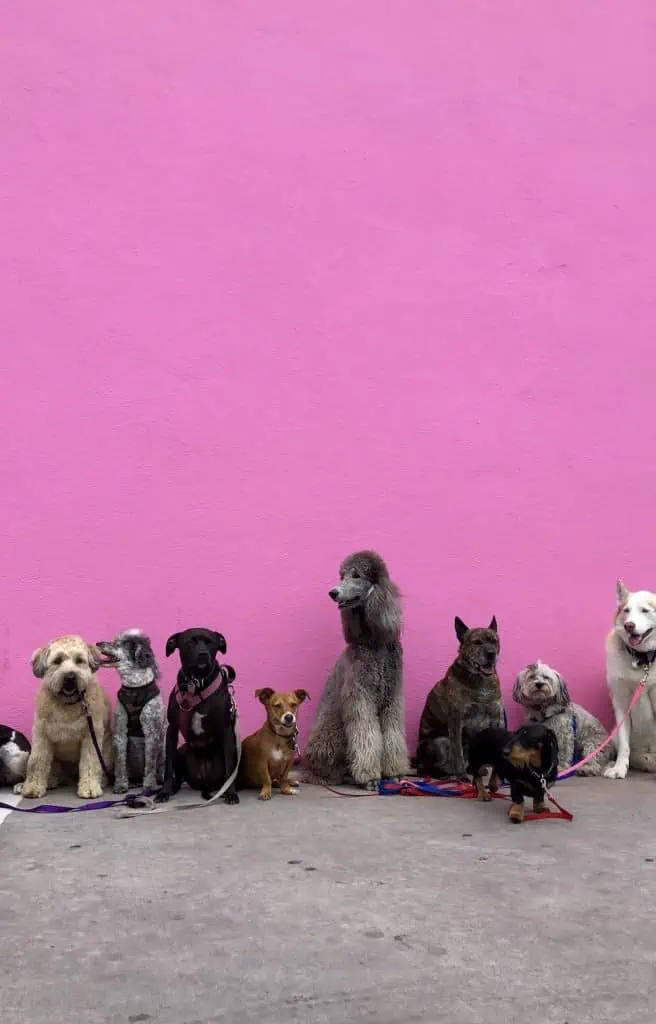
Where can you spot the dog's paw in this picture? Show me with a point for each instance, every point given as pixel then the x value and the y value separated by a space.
pixel 162 797
pixel 231 798
pixel 371 785
pixel 287 791
pixel 516 814
pixel 18 789
pixel 265 794
pixel 120 787
pixel 485 798
pixel 89 790
pixel 150 783
pixel 33 791
pixel 616 771
pixel 588 771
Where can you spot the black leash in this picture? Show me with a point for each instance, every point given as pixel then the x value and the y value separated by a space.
pixel 94 740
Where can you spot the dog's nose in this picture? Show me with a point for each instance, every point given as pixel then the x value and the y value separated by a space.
pixel 539 684
pixel 629 627
pixel 288 718
pixel 70 677
pixel 506 751
pixel 203 658
pixel 334 593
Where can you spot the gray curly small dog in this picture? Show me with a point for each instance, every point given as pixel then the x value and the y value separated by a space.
pixel 359 729
pixel 543 693
pixel 140 717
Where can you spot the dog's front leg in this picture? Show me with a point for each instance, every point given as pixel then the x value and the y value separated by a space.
pixel 90 785
pixel 516 810
pixel 455 738
pixel 39 766
pixel 364 740
pixel 169 785
pixel 152 731
pixel 621 766
pixel 121 783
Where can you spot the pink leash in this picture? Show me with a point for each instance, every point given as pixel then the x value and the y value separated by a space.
pixel 611 736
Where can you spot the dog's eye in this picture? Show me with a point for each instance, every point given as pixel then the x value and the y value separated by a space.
pixel 58 659
pixel 356 574
pixel 79 660
pixel 645 611
pixel 626 611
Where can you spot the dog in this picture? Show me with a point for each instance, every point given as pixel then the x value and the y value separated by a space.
pixel 140 717
pixel 527 759
pixel 543 693
pixel 202 709
pixel 462 704
pixel 268 755
pixel 14 752
pixel 359 732
pixel 630 656
pixel 61 740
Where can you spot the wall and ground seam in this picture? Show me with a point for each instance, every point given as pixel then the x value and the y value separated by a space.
pixel 279 282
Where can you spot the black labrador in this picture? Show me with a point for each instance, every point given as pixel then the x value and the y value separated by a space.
pixel 200 707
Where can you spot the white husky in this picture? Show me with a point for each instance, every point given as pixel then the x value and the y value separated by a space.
pixel 630 659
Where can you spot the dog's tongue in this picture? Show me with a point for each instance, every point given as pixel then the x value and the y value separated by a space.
pixel 634 641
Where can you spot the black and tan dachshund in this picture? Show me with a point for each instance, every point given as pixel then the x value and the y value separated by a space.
pixel 527 759
pixel 202 709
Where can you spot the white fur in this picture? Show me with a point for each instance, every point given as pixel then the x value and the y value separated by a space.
pixel 14 759
pixel 636 742
pixel 197 723
pixel 277 755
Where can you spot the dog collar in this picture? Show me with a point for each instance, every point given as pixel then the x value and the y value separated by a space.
pixel 641 659
pixel 189 701
pixel 290 739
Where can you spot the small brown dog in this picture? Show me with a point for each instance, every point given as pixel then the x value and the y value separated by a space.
pixel 268 755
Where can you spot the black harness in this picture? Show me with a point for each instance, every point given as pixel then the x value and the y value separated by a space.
pixel 134 700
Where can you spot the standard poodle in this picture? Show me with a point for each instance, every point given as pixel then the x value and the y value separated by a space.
pixel 359 729
pixel 543 693
pixel 61 742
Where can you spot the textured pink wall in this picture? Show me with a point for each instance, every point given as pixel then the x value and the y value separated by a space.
pixel 282 280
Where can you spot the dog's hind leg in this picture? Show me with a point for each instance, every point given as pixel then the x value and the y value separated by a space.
pixel 121 783
pixel 643 762
pixel 394 762
pixel 364 740
pixel 150 724
pixel 480 789
pixel 620 768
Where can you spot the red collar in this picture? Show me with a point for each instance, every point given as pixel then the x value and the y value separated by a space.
pixel 188 701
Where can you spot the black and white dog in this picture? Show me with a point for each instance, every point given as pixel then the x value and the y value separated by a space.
pixel 202 709
pixel 139 718
pixel 14 752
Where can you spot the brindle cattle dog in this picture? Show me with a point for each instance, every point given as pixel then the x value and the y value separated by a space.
pixel 466 701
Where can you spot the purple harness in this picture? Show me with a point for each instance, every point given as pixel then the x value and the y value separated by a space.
pixel 188 702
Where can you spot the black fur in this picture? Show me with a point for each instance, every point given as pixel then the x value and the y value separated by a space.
pixel 490 748
pixel 204 761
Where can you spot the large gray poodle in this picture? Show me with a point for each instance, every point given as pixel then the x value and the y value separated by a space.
pixel 359 729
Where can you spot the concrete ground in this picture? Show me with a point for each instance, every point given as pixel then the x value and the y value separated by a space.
pixel 320 909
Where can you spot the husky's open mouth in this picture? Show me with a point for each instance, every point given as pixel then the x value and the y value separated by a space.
pixel 636 639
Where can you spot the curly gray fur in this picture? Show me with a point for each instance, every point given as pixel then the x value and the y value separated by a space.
pixel 137 760
pixel 359 730
pixel 543 693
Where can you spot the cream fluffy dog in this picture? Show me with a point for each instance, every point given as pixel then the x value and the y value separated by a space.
pixel 61 743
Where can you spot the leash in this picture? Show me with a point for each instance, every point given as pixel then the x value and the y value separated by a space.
pixel 146 806
pixel 94 739
pixel 640 689
pixel 98 805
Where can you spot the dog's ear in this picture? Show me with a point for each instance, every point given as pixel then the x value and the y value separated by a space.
pixel 461 629
pixel 39 661
pixel 562 696
pixel 265 694
pixel 493 624
pixel 301 695
pixel 622 592
pixel 382 608
pixel 172 644
pixel 228 673
pixel 220 642
pixel 95 658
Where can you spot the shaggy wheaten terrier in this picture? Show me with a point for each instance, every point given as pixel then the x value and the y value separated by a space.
pixel 61 742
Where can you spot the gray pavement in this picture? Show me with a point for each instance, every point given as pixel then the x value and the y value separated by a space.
pixel 321 909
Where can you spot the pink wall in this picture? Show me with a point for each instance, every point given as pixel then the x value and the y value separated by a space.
pixel 282 280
